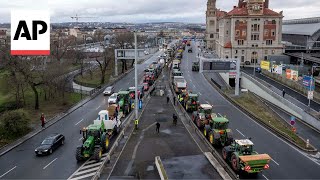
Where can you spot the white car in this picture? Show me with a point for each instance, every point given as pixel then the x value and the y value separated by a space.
pixel 146 52
pixel 108 91
pixel 113 98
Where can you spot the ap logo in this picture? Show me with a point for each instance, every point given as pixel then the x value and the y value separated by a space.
pixel 30 32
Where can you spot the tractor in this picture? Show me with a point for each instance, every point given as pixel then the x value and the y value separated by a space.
pixel 96 137
pixel 125 102
pixel 244 159
pixel 195 66
pixel 191 102
pixel 203 116
pixel 218 133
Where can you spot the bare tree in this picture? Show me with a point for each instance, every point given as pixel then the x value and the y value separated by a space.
pixel 60 44
pixel 123 41
pixel 104 61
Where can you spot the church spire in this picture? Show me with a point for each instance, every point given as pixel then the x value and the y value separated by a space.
pixel 211 4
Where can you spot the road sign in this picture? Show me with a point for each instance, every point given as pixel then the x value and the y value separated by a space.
pixel 309 82
pixel 293 120
pixel 310 95
pixel 219 65
pixel 140 104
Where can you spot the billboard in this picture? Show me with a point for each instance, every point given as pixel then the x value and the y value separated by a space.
pixel 265 65
pixel 307 82
pixel 292 74
pixel 277 69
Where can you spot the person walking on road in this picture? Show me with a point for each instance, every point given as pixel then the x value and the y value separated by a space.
pixel 283 93
pixel 43 120
pixel 168 99
pixel 174 100
pixel 136 122
pixel 158 127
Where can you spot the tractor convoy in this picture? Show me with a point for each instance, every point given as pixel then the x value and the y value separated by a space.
pixel 238 153
pixel 96 137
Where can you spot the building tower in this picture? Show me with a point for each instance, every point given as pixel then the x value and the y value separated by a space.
pixel 211 25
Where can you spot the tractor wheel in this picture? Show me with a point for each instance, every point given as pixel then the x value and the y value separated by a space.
pixel 105 142
pixel 79 156
pixel 224 153
pixel 97 153
pixel 235 163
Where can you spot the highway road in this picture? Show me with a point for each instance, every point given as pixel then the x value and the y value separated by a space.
pixel 287 161
pixel 22 163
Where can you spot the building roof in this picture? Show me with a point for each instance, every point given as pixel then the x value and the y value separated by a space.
pixel 220 119
pixel 244 142
pixel 221 14
pixel 301 29
pixel 243 11
pixel 206 106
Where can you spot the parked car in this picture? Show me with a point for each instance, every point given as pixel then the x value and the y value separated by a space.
pixel 258 69
pixel 108 91
pixel 49 144
pixel 113 99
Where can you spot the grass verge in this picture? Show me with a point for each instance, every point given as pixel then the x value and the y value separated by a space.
pixel 257 108
pixel 93 79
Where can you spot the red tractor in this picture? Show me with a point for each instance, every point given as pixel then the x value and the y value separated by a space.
pixel 203 116
pixel 145 86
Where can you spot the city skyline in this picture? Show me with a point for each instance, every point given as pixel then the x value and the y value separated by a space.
pixel 140 11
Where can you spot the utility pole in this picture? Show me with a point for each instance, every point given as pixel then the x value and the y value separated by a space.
pixel 254 63
pixel 136 74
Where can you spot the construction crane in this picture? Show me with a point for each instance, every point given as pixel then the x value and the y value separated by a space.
pixel 77 17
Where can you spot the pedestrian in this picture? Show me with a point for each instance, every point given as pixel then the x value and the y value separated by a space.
pixel 158 127
pixel 136 122
pixel 283 93
pixel 43 120
pixel 174 100
pixel 168 99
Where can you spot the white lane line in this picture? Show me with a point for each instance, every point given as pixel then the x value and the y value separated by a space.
pixel 207 101
pixel 240 133
pixel 80 139
pixel 50 163
pixel 98 107
pixel 78 122
pixel 265 177
pixel 200 93
pixel 7 172
pixel 275 162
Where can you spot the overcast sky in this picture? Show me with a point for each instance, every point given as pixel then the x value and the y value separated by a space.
pixel 192 11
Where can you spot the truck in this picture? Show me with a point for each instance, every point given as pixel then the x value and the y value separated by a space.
pixel 124 103
pixel 218 133
pixel 179 84
pixel 96 137
pixel 203 115
pixel 242 157
pixel 195 66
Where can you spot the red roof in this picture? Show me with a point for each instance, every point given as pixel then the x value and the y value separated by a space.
pixel 228 45
pixel 244 12
pixel 221 13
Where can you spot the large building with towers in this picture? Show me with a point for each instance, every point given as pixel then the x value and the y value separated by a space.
pixel 250 31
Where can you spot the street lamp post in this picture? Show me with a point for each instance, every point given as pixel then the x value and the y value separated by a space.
pixel 136 74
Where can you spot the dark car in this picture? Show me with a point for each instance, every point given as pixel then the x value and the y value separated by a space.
pixel 258 69
pixel 49 144
pixel 190 50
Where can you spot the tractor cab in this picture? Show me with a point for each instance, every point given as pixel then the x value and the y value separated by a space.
pixel 193 98
pixel 220 123
pixel 91 135
pixel 124 102
pixel 243 146
pixel 205 110
pixel 132 92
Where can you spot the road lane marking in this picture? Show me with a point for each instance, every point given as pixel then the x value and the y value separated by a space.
pixel 80 139
pixel 240 133
pixel 78 122
pixel 199 92
pixel 207 101
pixel 98 107
pixel 275 162
pixel 265 177
pixel 50 163
pixel 219 114
pixel 7 172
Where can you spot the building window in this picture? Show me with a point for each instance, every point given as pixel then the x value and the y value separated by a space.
pixel 266 32
pixel 211 35
pixel 273 51
pixel 266 51
pixel 269 42
pixel 274 22
pixel 265 57
pixel 227 32
pixel 236 57
pixel 237 33
pixel 255 37
pixel 242 51
pixel 242 58
pixel 273 32
pixel 227 57
pixel 212 23
pixel 236 51
pixel 240 42
pixel 244 33
pixel 255 27
pixel 254 57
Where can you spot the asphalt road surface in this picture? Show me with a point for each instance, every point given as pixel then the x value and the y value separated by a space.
pixel 22 163
pixel 287 161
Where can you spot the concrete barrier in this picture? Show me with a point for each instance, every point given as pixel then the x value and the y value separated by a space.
pixel 160 167
pixel 264 92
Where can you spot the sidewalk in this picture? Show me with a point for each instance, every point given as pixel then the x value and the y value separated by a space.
pixel 180 155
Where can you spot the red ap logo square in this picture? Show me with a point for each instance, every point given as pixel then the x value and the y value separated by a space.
pixel 30 32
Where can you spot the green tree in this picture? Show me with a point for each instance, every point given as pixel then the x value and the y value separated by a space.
pixel 14 124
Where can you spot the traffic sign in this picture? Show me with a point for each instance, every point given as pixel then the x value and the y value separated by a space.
pixel 310 95
pixel 293 120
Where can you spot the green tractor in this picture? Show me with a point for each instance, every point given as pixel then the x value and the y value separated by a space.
pixel 195 66
pixel 244 159
pixel 124 103
pixel 95 142
pixel 191 103
pixel 217 132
